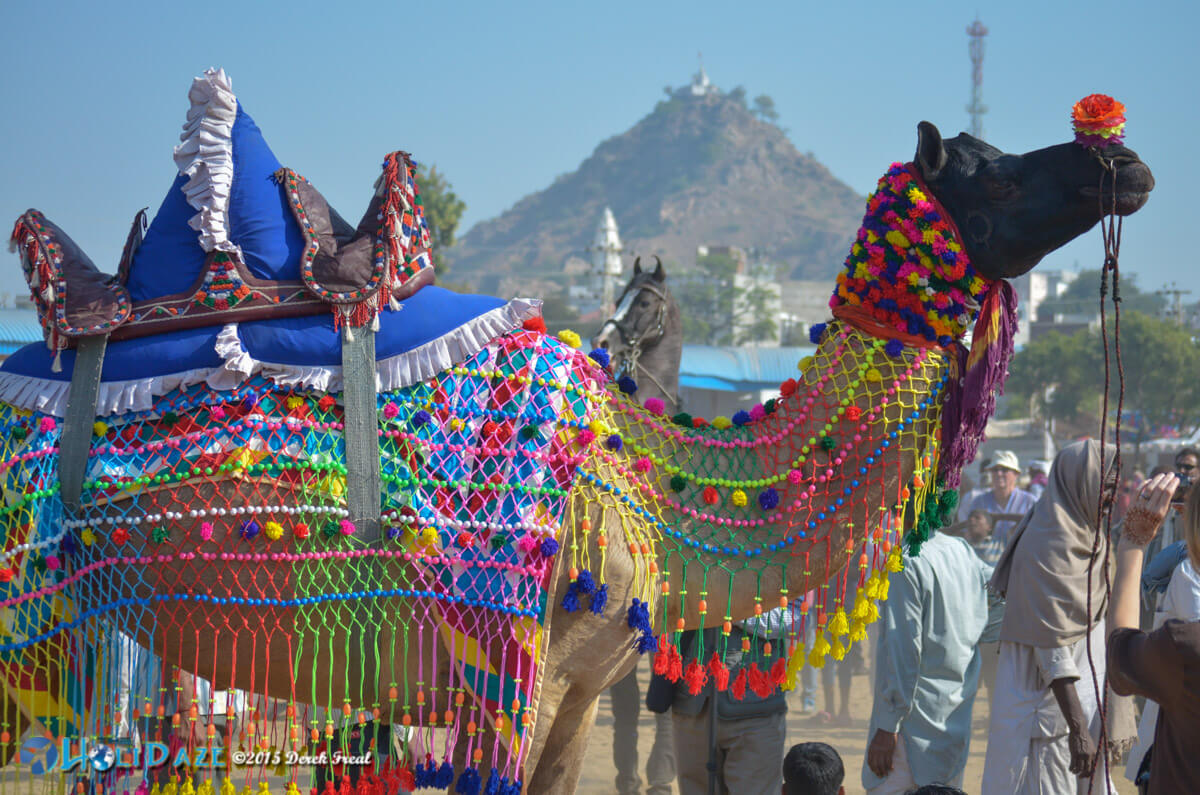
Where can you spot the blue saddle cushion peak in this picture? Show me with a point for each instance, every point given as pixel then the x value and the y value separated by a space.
pixel 171 259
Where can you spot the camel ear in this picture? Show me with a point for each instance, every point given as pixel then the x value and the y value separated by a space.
pixel 658 270
pixel 637 266
pixel 931 153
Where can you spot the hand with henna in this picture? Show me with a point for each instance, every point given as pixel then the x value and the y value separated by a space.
pixel 1149 508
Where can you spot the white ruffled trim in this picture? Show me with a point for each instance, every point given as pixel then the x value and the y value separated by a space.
pixel 396 372
pixel 119 397
pixel 205 156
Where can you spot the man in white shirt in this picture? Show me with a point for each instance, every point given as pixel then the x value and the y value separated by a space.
pixel 1003 500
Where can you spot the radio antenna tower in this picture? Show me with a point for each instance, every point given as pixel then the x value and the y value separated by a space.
pixel 977 32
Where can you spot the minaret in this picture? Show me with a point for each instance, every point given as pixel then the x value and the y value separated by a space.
pixel 606 260
pixel 977 32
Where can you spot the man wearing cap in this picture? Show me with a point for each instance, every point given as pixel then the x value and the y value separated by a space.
pixel 1003 500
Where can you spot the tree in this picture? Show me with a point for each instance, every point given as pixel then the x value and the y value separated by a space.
pixel 764 108
pixel 443 211
pixel 1082 297
pixel 738 95
pixel 716 311
pixel 1064 375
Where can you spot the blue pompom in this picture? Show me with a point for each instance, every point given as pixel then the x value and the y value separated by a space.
pixel 513 788
pixel 549 547
pixel 814 333
pixel 445 776
pixel 420 418
pixel 627 385
pixel 768 499
pixel 894 348
pixel 600 356
pixel 614 442
pixel 600 599
pixel 647 642
pixel 249 529
pixel 570 602
pixel 469 782
pixel 493 785
pixel 585 582
pixel 741 418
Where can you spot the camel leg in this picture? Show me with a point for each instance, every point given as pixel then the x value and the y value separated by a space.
pixel 561 761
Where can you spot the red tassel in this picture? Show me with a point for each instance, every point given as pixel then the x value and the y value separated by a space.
pixel 347 788
pixel 760 683
pixel 778 672
pixel 720 673
pixel 535 324
pixel 695 677
pixel 738 688
pixel 667 661
pixel 408 782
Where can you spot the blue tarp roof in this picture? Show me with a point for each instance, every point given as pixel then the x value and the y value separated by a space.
pixel 730 369
pixel 18 327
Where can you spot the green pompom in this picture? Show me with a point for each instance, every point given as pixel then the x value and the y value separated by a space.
pixel 769 406
pixel 828 443
pixel 678 483
pixel 682 419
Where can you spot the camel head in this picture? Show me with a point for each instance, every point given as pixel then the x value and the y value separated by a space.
pixel 1013 210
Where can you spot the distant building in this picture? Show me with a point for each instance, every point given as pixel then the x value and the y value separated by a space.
pixel 1032 290
pixel 720 380
pixel 804 304
pixel 18 328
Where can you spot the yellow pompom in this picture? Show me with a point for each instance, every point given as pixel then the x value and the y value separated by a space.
pixel 804 363
pixel 860 606
pixel 599 428
pixel 894 561
pixel 227 788
pixel 170 789
pixel 794 664
pixel 99 428
pixel 295 402
pixel 858 631
pixel 839 625
pixel 570 337
pixel 187 788
pixel 837 650
pixel 429 536
pixel 273 530
pixel 87 537
pixel 872 613
pixel 883 589
pixel 264 788
pixel 873 585
pixel 456 424
pixel 816 658
pixel 873 375
pixel 739 498
pixel 897 238
pixel 721 423
pixel 292 789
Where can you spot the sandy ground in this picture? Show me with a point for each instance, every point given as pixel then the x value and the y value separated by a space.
pixel 850 741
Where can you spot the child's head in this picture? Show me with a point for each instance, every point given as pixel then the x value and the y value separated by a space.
pixel 979 525
pixel 812 769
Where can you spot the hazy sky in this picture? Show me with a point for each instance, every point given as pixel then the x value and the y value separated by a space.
pixel 505 97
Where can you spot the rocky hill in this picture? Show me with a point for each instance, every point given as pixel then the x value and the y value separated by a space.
pixel 699 170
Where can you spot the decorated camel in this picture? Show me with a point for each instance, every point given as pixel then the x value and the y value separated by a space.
pixel 271 453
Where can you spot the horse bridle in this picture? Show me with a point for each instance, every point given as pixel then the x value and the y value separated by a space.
pixel 636 343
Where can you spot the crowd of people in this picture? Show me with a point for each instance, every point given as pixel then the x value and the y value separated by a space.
pixel 1070 630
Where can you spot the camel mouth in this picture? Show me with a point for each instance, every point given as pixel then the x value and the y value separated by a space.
pixel 1126 202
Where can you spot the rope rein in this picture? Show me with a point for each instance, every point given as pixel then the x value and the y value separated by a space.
pixel 1110 229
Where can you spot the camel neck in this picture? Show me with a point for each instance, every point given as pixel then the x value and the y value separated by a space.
pixel 907 269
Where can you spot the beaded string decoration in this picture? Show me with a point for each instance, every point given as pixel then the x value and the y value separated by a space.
pixel 214 536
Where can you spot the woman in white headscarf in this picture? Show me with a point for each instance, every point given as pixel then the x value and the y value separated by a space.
pixel 1044 717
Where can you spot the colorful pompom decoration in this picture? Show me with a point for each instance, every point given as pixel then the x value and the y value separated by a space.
pixel 1098 120
pixel 627 385
pixel 614 442
pixel 768 499
pixel 599 356
pixel 570 338
pixel 655 405
pixel 894 348
pixel 814 333
pixel 535 324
